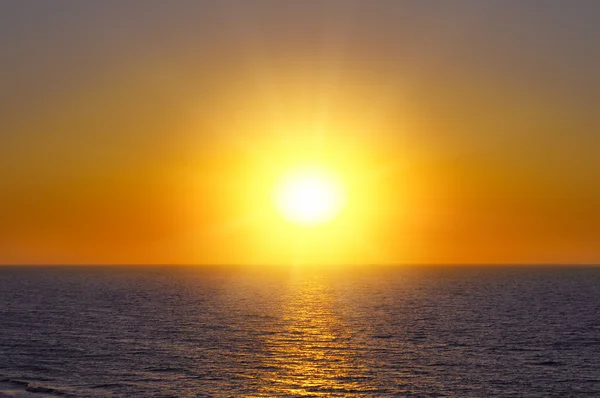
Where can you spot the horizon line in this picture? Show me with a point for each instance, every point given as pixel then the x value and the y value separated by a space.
pixel 254 265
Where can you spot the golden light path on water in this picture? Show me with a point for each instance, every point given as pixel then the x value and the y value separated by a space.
pixel 314 352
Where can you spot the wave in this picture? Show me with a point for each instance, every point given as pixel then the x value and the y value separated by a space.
pixel 33 387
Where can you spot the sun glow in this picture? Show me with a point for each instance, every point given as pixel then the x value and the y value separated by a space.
pixel 297 178
pixel 309 197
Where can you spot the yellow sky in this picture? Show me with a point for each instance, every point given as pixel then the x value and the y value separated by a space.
pixel 166 147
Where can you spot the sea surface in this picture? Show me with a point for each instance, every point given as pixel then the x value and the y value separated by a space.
pixel 209 331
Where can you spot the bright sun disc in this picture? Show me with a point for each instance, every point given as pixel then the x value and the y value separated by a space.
pixel 309 198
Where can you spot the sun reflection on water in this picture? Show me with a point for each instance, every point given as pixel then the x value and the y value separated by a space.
pixel 314 353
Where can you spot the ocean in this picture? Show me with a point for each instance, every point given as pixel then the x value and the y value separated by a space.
pixel 246 332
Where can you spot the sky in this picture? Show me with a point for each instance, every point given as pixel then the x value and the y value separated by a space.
pixel 149 132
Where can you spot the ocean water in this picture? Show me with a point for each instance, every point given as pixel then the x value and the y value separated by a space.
pixel 195 332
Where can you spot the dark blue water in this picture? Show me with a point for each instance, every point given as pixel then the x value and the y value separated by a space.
pixel 185 332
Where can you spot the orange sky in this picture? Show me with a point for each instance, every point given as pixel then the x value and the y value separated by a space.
pixel 467 134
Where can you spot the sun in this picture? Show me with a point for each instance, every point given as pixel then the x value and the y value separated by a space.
pixel 309 197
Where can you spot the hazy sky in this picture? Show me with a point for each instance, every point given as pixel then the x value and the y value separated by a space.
pixel 126 126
